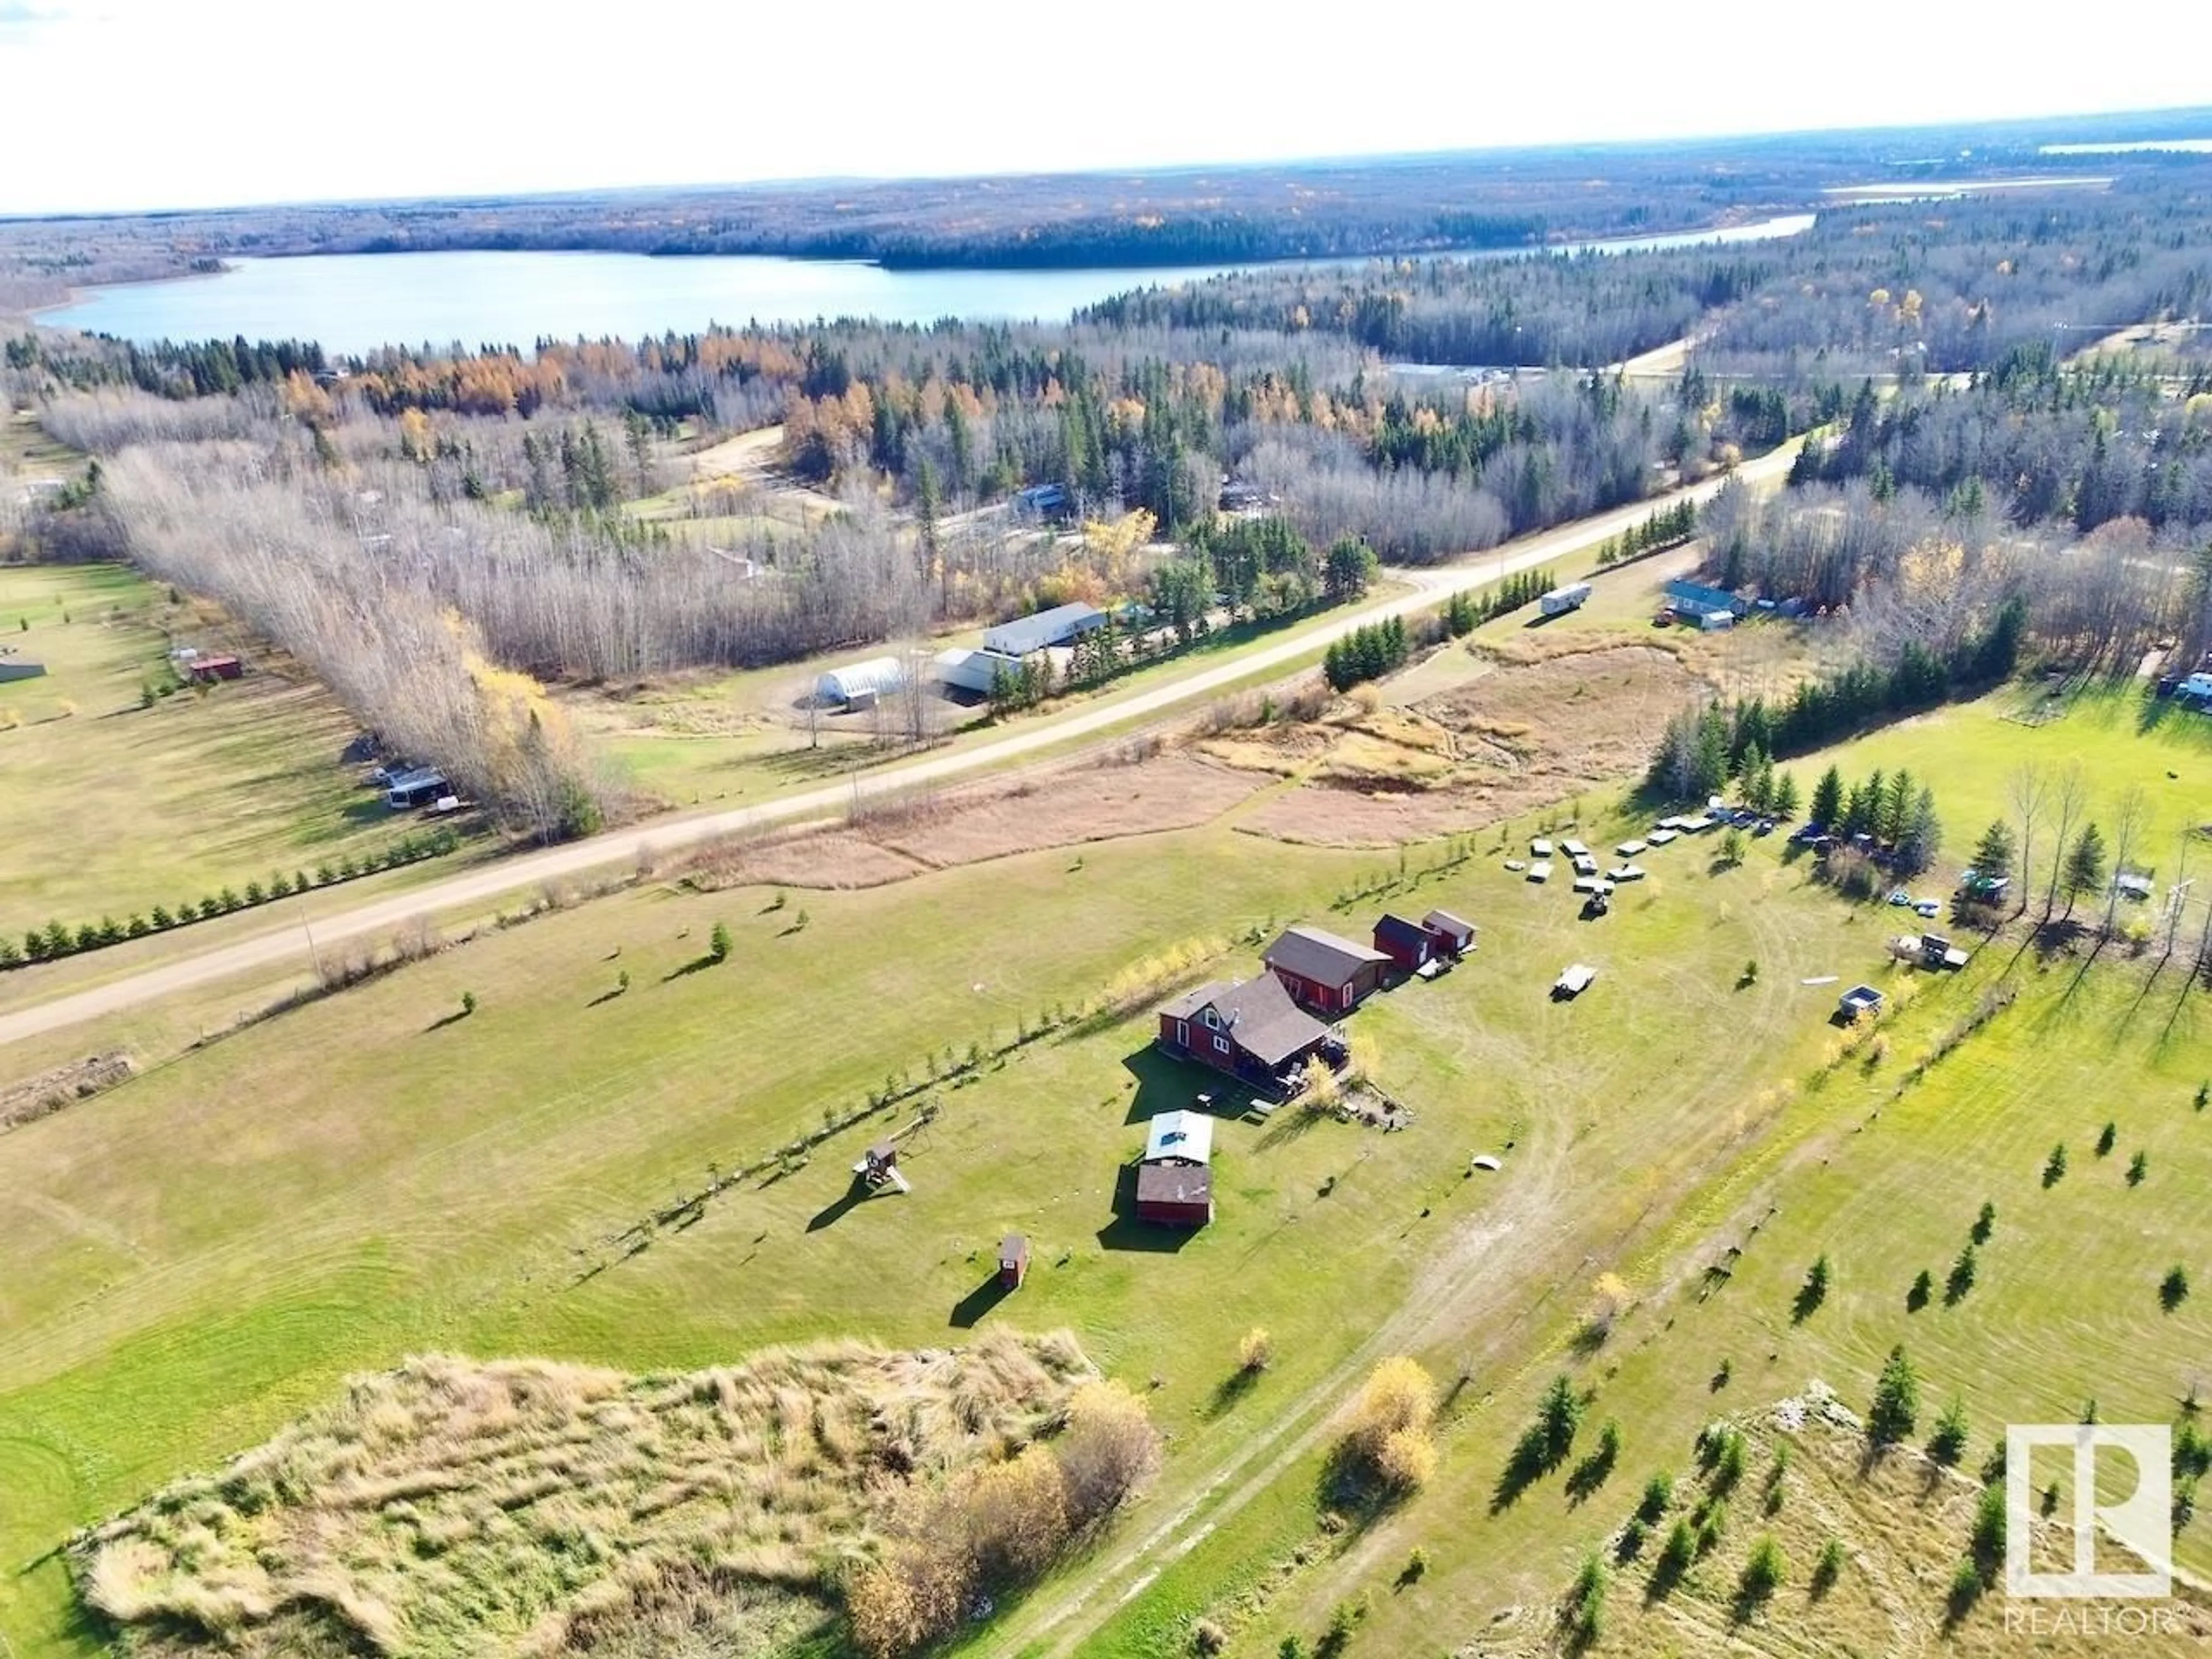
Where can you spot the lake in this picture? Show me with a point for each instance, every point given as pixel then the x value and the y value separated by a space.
pixel 355 303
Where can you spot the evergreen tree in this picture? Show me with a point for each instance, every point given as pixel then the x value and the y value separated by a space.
pixel 1785 802
pixel 1896 1405
pixel 2084 871
pixel 1827 808
pixel 1993 854
pixel 1924 834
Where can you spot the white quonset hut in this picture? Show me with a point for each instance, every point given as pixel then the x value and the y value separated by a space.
pixel 874 677
pixel 1026 636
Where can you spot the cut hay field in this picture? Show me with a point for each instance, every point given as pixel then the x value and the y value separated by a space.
pixel 107 808
pixel 203 1253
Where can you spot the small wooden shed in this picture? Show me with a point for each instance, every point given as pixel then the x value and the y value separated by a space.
pixel 1013 1260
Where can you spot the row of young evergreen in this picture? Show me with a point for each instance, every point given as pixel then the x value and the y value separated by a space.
pixel 1667 526
pixel 57 940
pixel 1365 653
pixel 1467 610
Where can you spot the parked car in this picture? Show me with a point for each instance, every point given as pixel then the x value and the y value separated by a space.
pixel 1900 897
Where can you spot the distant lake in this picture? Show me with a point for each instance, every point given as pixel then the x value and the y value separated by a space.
pixel 355 303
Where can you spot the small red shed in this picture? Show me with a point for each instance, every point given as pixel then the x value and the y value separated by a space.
pixel 1013 1261
pixel 208 670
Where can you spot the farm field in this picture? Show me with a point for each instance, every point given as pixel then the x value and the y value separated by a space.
pixel 111 808
pixel 1879 1158
pixel 1883 1172
pixel 158 1323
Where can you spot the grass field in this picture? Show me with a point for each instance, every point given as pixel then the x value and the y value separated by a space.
pixel 109 807
pixel 418 1180
pixel 155 1322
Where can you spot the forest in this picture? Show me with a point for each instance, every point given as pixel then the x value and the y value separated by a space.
pixel 442 535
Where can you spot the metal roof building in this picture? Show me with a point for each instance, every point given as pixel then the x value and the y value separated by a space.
pixel 1185 1136
pixel 1026 636
pixel 877 674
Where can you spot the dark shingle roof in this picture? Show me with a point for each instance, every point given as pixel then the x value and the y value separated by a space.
pixel 1173 1183
pixel 1312 953
pixel 1259 1016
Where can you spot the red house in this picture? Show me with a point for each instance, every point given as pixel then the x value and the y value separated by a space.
pixel 1410 947
pixel 208 670
pixel 1252 1031
pixel 1322 971
pixel 1174 1177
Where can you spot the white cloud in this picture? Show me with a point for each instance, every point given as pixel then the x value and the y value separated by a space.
pixel 149 103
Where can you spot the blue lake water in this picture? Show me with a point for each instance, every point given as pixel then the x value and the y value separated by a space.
pixel 355 303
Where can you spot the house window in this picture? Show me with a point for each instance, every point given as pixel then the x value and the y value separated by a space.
pixel 1221 1045
pixel 1182 1033
pixel 1212 1020
pixel 1344 997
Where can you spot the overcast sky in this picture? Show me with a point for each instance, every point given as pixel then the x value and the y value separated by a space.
pixel 110 104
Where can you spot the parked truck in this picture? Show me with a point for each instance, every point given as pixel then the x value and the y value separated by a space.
pixel 1560 600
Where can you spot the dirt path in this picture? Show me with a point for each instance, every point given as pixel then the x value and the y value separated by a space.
pixel 289 945
pixel 1490 1256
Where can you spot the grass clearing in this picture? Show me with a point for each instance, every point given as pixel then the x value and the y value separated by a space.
pixel 111 808
pixel 156 1324
pixel 1676 1119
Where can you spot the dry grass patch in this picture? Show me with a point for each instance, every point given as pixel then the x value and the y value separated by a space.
pixel 1557 714
pixel 526 1507
pixel 895 838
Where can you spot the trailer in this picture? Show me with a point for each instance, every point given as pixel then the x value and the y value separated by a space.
pixel 1560 600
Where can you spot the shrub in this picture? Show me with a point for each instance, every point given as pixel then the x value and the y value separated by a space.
pixel 136 927
pixel 1206 1636
pixel 468 1003
pixel 2138 1166
pixel 1679 1550
pixel 1828 1568
pixel 1108 1450
pixel 1984 1224
pixel 1417 1565
pixel 1727 1470
pixel 1948 1444
pixel 1814 1290
pixel 1407 1460
pixel 718 943
pixel 1762 1573
pixel 162 918
pixel 2173 1288
pixel 1255 1353
pixel 1658 1493
pixel 2054 1167
pixel 1584 1613
pixel 1988 1538
pixel 1961 1279
pixel 255 893
pixel 1923 1287
pixel 2105 1137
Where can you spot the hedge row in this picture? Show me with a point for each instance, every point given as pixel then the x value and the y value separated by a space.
pixel 57 940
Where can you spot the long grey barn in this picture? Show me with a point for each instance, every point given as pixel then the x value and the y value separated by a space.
pixel 1026 636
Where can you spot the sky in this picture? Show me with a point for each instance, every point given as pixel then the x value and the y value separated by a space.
pixel 137 104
